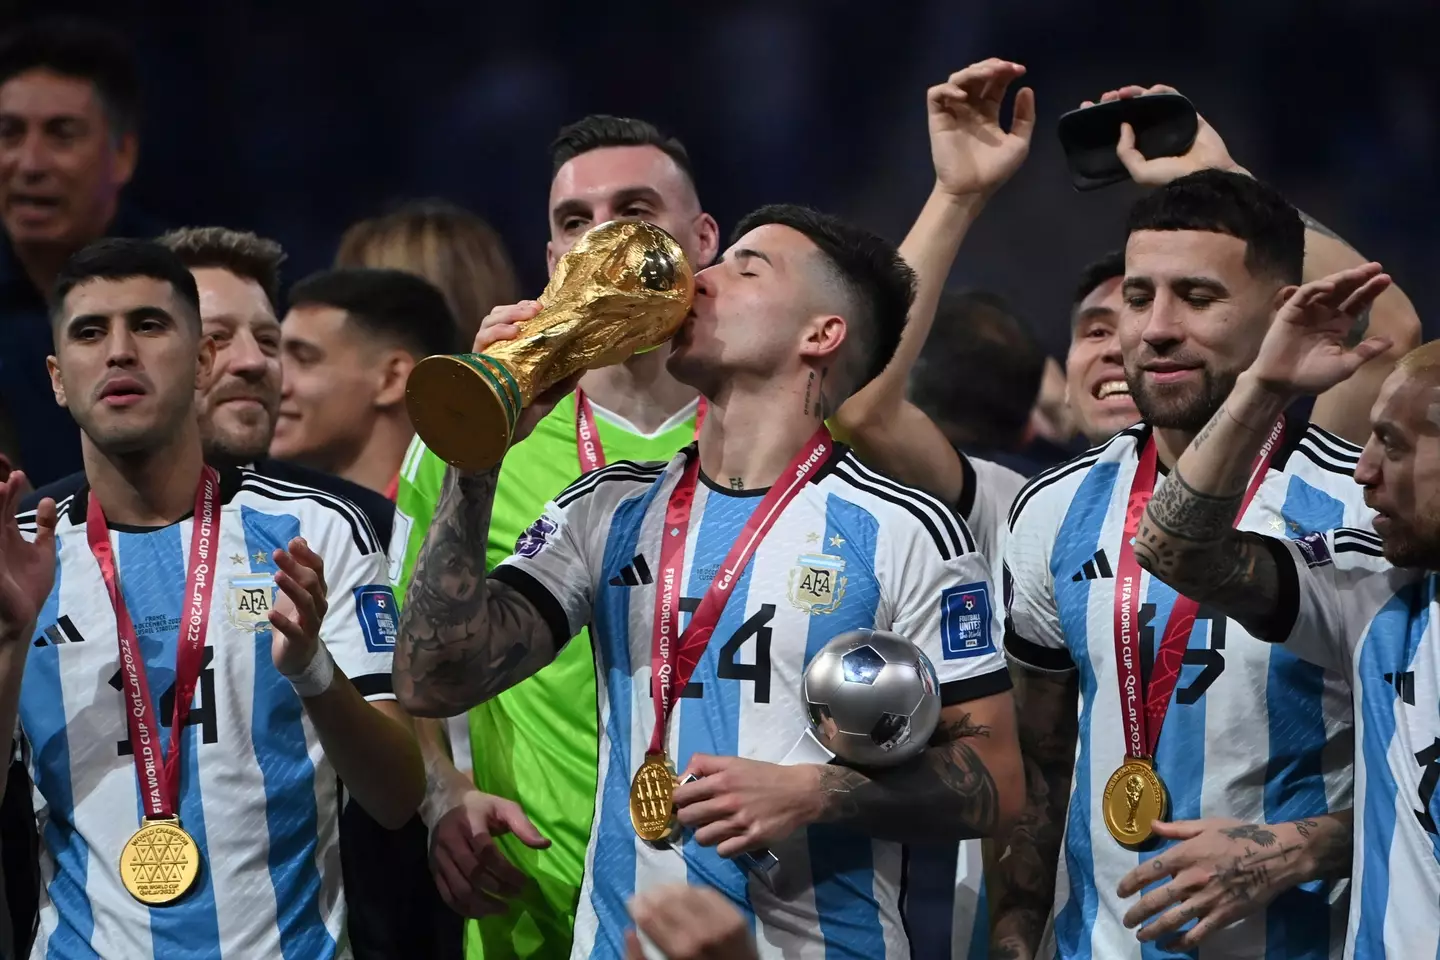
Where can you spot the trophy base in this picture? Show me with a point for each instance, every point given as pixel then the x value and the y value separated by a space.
pixel 464 408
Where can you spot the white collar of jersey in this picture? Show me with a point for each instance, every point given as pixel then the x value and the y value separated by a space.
pixel 230 478
pixel 675 419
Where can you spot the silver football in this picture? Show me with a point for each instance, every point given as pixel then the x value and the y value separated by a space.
pixel 872 698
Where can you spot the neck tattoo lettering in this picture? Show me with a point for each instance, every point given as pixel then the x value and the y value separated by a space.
pixel 809 385
pixel 737 483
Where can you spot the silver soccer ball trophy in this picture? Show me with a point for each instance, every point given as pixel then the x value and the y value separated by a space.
pixel 873 698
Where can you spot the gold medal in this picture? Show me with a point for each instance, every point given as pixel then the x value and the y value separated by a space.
pixel 159 863
pixel 652 799
pixel 1134 799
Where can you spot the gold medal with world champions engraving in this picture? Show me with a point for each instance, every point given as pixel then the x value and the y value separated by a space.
pixel 1134 799
pixel 652 799
pixel 160 862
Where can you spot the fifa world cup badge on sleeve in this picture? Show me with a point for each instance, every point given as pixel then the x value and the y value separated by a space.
pixel 965 621
pixel 376 609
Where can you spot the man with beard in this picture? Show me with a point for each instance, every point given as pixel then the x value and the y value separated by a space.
pixel 1348 599
pixel 1252 731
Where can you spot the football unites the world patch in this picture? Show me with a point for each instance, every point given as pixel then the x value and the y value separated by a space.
pixel 1314 549
pixel 376 610
pixel 533 540
pixel 965 621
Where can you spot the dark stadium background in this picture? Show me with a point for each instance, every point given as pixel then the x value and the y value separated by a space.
pixel 295 118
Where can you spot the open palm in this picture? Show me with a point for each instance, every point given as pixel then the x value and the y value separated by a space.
pixel 972 152
pixel 27 569
pixel 1305 350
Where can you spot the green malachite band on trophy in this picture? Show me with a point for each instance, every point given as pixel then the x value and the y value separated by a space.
pixel 498 367
pixel 484 366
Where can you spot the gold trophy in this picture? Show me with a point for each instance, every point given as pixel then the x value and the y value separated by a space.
pixel 625 286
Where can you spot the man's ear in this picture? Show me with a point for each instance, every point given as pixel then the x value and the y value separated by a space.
pixel 823 338
pixel 394 372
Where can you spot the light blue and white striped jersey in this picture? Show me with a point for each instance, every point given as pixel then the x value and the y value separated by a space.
pixel 1252 731
pixel 1380 626
pixel 256 791
pixel 853 549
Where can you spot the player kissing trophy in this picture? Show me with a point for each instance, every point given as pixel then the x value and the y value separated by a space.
pixel 626 286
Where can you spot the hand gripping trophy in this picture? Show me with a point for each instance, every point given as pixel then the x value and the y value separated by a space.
pixel 625 286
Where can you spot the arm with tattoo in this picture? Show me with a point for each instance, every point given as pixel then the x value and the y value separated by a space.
pixel 463 638
pixel 1024 882
pixel 1188 537
pixel 967 784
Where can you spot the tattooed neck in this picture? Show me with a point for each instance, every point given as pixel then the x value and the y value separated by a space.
pixel 737 483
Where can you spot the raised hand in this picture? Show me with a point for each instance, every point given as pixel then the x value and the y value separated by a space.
pixel 1305 350
pixel 27 569
pixel 1207 152
pixel 301 608
pixel 972 152
pixel 506 323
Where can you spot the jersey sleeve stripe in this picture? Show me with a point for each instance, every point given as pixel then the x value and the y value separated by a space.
pixel 949 547
pixel 1337 445
pixel 620 470
pixel 1030 654
pixel 360 529
pixel 1364 536
pixel 540 598
pixel 1328 453
pixel 1333 466
pixel 374 686
pixel 1355 546
pixel 946 514
pixel 975 688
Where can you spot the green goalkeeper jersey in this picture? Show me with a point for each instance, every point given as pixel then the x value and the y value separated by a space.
pixel 536 743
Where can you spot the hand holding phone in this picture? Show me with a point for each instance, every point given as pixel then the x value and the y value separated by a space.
pixel 1150 135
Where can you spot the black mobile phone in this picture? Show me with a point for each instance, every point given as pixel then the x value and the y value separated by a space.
pixel 1165 125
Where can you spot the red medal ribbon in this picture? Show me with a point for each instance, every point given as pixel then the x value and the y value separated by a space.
pixel 587 434
pixel 672 661
pixel 1142 726
pixel 159 774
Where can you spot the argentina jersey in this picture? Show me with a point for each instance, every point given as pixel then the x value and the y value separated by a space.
pixel 1379 625
pixel 256 791
pixel 1252 731
pixel 853 549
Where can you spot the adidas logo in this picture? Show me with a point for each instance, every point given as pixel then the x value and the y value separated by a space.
pixel 1404 684
pixel 61 631
pixel 1096 568
pixel 635 573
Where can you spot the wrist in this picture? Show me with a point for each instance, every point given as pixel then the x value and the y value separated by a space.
pixel 317 676
pixel 1256 402
pixel 810 785
pixel 965 203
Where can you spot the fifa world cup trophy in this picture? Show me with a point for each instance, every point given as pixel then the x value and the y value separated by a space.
pixel 625 286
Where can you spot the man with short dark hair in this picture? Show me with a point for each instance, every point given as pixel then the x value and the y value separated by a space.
pixel 69 107
pixel 348 344
pixel 769 533
pixel 1182 714
pixel 183 566
pixel 1095 387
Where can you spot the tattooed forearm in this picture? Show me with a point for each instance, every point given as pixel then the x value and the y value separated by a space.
pixel 944 794
pixel 463 638
pixel 1047 710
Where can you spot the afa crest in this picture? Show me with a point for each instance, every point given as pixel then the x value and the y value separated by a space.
pixel 817 582
pixel 249 601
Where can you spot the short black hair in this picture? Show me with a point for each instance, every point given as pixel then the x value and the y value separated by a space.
pixel 602 130
pixel 117 258
pixel 1107 267
pixel 392 304
pixel 84 50
pixel 980 371
pixel 877 283
pixel 1218 201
